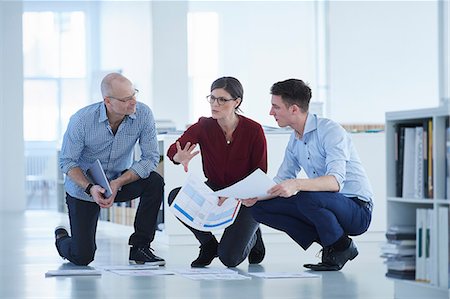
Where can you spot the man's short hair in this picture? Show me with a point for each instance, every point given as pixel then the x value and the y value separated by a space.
pixel 293 92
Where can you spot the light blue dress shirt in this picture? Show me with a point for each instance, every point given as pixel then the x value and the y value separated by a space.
pixel 89 137
pixel 326 149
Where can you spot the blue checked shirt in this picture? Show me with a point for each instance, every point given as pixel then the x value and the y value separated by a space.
pixel 326 149
pixel 89 137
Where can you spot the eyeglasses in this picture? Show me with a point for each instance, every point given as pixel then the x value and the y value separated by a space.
pixel 126 99
pixel 211 99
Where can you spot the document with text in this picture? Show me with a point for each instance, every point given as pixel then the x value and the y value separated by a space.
pixel 196 205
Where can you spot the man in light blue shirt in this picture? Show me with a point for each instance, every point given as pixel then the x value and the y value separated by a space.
pixel 109 131
pixel 335 201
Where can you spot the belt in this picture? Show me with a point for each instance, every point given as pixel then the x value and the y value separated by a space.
pixel 362 203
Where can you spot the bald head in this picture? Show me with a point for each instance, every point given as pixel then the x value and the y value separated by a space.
pixel 110 83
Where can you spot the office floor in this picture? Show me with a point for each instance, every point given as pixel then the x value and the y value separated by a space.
pixel 27 251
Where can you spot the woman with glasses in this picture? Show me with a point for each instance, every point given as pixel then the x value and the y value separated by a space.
pixel 232 146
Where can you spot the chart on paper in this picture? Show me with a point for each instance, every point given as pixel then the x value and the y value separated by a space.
pixel 196 205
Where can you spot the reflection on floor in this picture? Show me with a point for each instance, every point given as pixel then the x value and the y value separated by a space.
pixel 27 251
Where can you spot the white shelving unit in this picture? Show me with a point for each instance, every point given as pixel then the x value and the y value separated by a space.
pixel 402 211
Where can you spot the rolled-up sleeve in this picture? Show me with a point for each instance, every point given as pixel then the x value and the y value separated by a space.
pixel 337 154
pixel 290 166
pixel 148 143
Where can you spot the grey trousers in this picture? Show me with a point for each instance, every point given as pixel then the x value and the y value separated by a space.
pixel 237 239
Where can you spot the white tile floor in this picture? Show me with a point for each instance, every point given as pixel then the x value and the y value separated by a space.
pixel 27 251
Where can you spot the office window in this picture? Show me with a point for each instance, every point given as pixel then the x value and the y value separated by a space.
pixel 203 60
pixel 54 48
pixel 55 86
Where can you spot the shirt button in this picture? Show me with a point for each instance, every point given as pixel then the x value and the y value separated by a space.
pixel 305 143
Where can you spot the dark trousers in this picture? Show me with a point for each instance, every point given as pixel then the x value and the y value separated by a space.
pixel 83 215
pixel 308 217
pixel 237 239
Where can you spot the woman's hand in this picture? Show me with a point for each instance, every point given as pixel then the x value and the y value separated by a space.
pixel 221 200
pixel 184 156
pixel 248 202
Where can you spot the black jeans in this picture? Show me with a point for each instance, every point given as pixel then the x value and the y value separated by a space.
pixel 83 215
pixel 237 239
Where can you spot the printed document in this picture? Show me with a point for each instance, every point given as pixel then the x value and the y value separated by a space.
pixel 283 275
pixel 255 184
pixel 196 205
pixel 73 272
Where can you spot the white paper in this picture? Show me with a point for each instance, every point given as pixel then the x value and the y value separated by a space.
pixel 254 185
pixel 224 276
pixel 283 275
pixel 142 272
pixel 196 205
pixel 128 267
pixel 73 272
pixel 194 271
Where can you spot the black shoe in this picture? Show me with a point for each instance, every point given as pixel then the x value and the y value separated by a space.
pixel 60 232
pixel 333 260
pixel 208 252
pixel 144 255
pixel 258 251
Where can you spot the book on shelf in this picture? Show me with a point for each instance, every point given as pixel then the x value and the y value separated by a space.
pixel 425 258
pixel 399 251
pixel 443 246
pixel 447 164
pixel 401 232
pixel 413 159
pixel 392 249
pixel 409 275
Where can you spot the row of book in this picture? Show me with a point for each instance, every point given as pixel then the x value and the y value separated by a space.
pixel 414 159
pixel 410 251
pixel 120 212
pixel 447 158
pixel 399 252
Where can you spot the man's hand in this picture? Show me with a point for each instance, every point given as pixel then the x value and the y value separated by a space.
pixel 285 189
pixel 98 192
pixel 184 156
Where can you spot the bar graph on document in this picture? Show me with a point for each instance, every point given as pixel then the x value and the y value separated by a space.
pixel 196 205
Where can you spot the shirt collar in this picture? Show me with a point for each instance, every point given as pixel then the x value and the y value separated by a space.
pixel 104 117
pixel 311 123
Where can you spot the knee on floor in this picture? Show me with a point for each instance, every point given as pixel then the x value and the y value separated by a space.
pixel 229 259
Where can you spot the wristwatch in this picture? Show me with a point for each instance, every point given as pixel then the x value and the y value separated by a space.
pixel 88 189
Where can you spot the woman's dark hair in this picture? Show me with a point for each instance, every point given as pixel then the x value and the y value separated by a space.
pixel 293 91
pixel 232 86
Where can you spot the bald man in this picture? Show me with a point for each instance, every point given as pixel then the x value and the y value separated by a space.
pixel 108 131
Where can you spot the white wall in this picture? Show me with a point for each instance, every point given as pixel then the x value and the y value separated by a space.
pixel 12 177
pixel 383 57
pixel 262 42
pixel 125 42
pixel 170 78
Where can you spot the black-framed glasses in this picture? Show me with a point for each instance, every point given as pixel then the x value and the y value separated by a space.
pixel 211 99
pixel 126 99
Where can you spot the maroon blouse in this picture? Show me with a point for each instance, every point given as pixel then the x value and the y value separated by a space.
pixel 225 164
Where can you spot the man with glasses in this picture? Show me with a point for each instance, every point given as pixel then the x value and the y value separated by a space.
pixel 108 131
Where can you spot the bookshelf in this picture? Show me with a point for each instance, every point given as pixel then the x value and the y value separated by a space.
pixel 401 210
